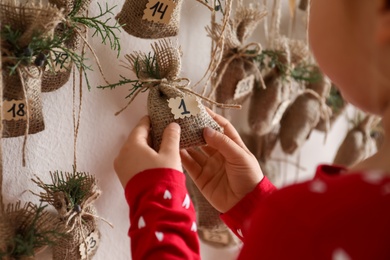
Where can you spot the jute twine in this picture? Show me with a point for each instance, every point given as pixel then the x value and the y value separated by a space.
pixel 55 79
pixel 237 62
pixel 131 19
pixel 265 103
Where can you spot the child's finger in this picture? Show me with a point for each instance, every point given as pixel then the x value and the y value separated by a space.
pixel 141 130
pixel 170 139
pixel 190 164
pixel 226 146
pixel 229 129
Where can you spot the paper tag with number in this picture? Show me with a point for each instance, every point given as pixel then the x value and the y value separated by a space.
pixel 216 237
pixel 14 110
pixel 90 245
pixel 244 87
pixel 159 11
pixel 280 111
pixel 182 107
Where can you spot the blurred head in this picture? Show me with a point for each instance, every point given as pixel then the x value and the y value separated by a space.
pixel 350 40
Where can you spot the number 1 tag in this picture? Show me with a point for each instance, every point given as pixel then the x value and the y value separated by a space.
pixel 159 11
pixel 182 107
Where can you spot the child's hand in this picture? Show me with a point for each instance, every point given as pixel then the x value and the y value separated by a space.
pixel 225 170
pixel 136 154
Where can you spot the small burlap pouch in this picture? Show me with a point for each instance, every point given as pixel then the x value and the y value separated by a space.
pixel 357 144
pixel 163 84
pixel 73 195
pixel 55 78
pixel 237 63
pixel 267 104
pixel 77 233
pixel 132 21
pixel 303 115
pixel 33 22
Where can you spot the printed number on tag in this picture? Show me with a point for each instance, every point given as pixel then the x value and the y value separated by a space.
pixel 90 245
pixel 182 107
pixel 244 87
pixel 159 11
pixel 14 110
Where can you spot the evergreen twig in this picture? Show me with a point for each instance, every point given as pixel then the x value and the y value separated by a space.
pixel 101 27
pixel 143 65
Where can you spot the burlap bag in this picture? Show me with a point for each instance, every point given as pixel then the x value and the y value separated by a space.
pixel 130 17
pixel 161 116
pixel 211 229
pixel 68 246
pixel 356 146
pixel 22 220
pixel 265 103
pixel 55 79
pixel 31 20
pixel 13 90
pixel 7 233
pixel 163 85
pixel 303 115
pixel 237 63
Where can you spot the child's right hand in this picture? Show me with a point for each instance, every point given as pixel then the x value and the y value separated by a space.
pixel 224 170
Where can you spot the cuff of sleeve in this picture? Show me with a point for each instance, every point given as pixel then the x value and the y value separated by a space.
pixel 150 178
pixel 236 218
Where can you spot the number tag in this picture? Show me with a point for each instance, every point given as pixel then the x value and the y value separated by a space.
pixel 14 110
pixel 280 111
pixel 159 11
pixel 216 237
pixel 244 87
pixel 182 107
pixel 90 245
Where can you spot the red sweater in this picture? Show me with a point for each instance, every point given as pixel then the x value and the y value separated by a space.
pixel 330 217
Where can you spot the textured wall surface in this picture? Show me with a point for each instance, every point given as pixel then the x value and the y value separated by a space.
pixel 101 134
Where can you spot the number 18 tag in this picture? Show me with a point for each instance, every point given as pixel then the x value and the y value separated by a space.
pixel 14 110
pixel 182 107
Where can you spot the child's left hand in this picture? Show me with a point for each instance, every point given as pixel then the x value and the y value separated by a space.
pixel 136 154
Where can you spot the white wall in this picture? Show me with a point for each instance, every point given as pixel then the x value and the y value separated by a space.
pixel 101 134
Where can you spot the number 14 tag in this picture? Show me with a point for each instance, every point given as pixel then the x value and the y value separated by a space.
pixel 182 107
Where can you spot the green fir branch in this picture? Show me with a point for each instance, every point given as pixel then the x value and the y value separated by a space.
pixel 305 73
pixel 101 27
pixel 335 101
pixel 142 65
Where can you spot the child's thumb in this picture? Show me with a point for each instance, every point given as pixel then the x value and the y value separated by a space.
pixel 170 139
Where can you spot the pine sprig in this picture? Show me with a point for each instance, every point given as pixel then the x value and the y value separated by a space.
pixel 335 101
pixel 101 27
pixel 302 72
pixel 75 186
pixel 144 66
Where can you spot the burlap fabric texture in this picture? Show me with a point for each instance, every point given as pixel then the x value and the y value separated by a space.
pixel 55 79
pixel 31 20
pixel 130 17
pixel 168 86
pixel 13 90
pixel 237 63
pixel 7 234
